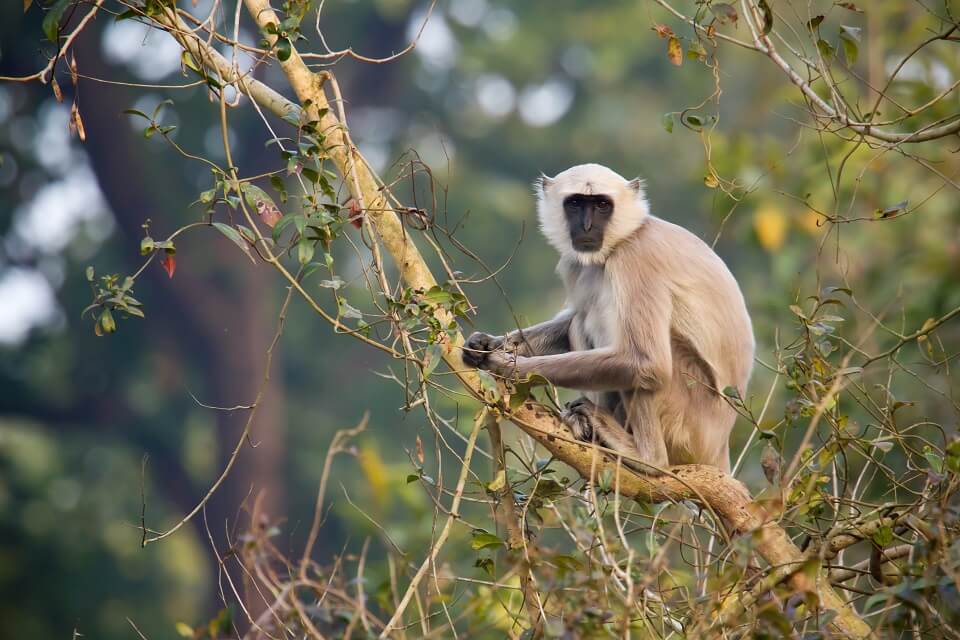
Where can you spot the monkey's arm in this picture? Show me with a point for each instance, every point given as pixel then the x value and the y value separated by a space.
pixel 640 358
pixel 603 369
pixel 552 336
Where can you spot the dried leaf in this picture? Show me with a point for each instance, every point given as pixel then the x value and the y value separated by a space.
pixel 770 462
pixel 724 12
pixel 420 457
pixel 73 69
pixel 57 93
pixel 663 30
pixel 710 180
pixel 76 123
pixel 674 51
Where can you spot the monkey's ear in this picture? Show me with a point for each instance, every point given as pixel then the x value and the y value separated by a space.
pixel 636 184
pixel 541 184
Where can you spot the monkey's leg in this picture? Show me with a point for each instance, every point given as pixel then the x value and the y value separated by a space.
pixel 591 423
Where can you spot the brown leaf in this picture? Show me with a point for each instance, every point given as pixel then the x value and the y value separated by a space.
pixel 57 93
pixel 420 456
pixel 26 5
pixel 169 264
pixel 269 213
pixel 76 123
pixel 770 463
pixel 663 30
pixel 674 51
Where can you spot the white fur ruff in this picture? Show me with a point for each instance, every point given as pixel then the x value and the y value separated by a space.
pixel 630 208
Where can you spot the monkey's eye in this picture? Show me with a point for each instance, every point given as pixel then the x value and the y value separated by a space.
pixel 604 206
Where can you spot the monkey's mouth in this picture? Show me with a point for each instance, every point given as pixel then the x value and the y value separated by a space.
pixel 587 245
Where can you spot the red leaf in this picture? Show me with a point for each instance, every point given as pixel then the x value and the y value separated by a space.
pixel 169 264
pixel 356 213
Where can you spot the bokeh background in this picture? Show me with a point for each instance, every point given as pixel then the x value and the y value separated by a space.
pixel 494 94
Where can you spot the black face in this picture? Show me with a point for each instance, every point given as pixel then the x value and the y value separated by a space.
pixel 587 218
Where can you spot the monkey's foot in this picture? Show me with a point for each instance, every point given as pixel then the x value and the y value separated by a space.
pixel 579 416
pixel 590 423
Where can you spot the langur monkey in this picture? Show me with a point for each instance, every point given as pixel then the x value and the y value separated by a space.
pixel 654 330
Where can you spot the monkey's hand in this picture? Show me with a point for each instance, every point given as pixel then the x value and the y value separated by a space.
pixel 478 348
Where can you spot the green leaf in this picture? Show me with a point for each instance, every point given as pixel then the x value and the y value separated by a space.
pixel 767 16
pixel 283 223
pixel 234 236
pixel 433 357
pixel 184 630
pixel 849 37
pixel 136 112
pixel 254 195
pixel 488 383
pixel 51 21
pixel 284 49
pixel 107 323
pixel 826 49
pixel 305 250
pixel 568 563
pixel 90 274
pixel 146 246
pixel 933 459
pixel 412 478
pixel 484 540
pixel 667 121
pixel 883 536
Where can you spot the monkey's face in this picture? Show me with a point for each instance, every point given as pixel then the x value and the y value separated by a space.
pixel 587 217
pixel 587 210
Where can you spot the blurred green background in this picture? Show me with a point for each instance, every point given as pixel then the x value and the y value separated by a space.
pixel 495 93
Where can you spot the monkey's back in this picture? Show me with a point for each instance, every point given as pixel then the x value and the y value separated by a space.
pixel 711 336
